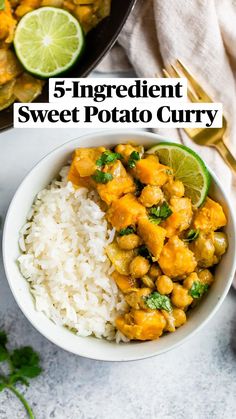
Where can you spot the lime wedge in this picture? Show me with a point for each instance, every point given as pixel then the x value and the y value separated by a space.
pixel 188 167
pixel 48 41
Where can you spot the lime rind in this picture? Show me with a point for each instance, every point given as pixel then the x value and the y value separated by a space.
pixel 187 166
pixel 67 44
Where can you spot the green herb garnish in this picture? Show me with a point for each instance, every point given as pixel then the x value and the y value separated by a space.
pixel 139 187
pixel 198 289
pixel 23 364
pixel 108 157
pixel 159 213
pixel 126 231
pixel 143 251
pixel 192 235
pixel 101 177
pixel 2 4
pixel 158 301
pixel 133 158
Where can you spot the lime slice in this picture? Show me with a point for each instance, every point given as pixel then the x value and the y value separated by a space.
pixel 48 41
pixel 188 167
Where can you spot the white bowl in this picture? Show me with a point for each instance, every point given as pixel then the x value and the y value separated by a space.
pixel 90 347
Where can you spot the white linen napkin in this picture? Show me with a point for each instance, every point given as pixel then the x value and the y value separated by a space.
pixel 202 33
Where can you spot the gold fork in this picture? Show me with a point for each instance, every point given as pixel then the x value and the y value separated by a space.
pixel 212 137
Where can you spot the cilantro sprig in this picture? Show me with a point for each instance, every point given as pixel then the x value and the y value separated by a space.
pixel 198 289
pixel 102 177
pixel 126 231
pixel 133 158
pixel 108 157
pixel 159 213
pixel 23 363
pixel 156 301
pixel 191 235
pixel 143 251
pixel 139 187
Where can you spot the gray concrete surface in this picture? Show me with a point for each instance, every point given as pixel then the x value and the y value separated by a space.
pixel 197 380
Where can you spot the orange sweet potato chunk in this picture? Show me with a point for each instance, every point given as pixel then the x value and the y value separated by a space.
pixel 121 184
pixel 125 283
pixel 152 235
pixel 141 324
pixel 210 216
pixel 150 171
pixel 76 179
pixel 125 211
pixel 181 217
pixel 176 260
pixel 85 160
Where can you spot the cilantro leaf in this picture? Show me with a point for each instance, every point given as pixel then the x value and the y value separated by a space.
pixel 108 157
pixel 23 364
pixel 2 386
pixel 30 371
pixel 126 231
pixel 15 377
pixel 133 158
pixel 102 177
pixel 139 187
pixel 143 251
pixel 158 301
pixel 3 353
pixel 3 350
pixel 24 357
pixel 198 289
pixel 159 213
pixel 3 338
pixel 192 235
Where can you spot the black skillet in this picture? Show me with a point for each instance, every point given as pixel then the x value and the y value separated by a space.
pixel 98 43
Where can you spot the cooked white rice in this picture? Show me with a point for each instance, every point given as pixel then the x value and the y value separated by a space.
pixel 64 261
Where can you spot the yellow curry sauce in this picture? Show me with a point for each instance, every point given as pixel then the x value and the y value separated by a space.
pixel 15 83
pixel 163 247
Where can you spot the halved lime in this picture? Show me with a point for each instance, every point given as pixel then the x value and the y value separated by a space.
pixel 48 41
pixel 188 167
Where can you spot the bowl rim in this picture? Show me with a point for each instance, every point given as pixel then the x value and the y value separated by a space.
pixel 94 135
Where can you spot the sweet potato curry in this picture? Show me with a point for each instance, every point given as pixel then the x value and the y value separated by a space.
pixel 164 248
pixel 15 83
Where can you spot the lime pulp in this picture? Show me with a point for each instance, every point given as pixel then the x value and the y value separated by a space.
pixel 48 41
pixel 187 167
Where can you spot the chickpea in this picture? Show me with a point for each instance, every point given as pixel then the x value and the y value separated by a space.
pixel 83 13
pixel 206 277
pixel 164 284
pixel 139 267
pixel 174 188
pixel 135 298
pixel 32 3
pixel 220 242
pixel 154 271
pixel 126 149
pixel 148 282
pixel 151 195
pixel 179 316
pixel 180 297
pixel 68 5
pixel 188 282
pixel 128 242
pixel 204 249
pixel 52 3
pixel 22 9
